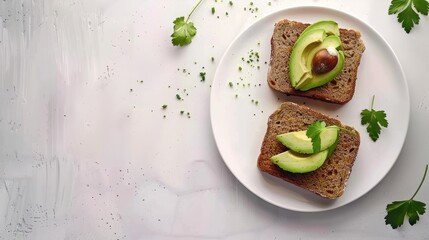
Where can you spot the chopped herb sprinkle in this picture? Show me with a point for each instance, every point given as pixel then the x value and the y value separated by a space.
pixel 231 3
pixel 164 106
pixel 213 10
pixel 178 97
pixel 231 84
pixel 203 76
pixel 240 68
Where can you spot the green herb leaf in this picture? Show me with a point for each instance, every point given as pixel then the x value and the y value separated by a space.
pixel 397 210
pixel 313 132
pixel 421 6
pixel 407 15
pixel 397 6
pixel 375 120
pixel 183 32
pixel 408 18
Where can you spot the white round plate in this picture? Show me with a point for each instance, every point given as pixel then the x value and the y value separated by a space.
pixel 239 113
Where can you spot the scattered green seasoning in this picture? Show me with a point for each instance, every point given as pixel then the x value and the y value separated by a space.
pixel 252 58
pixel 231 3
pixel 213 10
pixel 213 59
pixel 178 97
pixel 181 112
pixel 269 3
pixel 252 8
pixel 164 106
pixel 203 76
pixel 226 13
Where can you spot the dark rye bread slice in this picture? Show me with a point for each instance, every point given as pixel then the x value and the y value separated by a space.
pixel 339 90
pixel 330 179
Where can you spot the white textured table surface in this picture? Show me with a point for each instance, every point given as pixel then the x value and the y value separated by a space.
pixel 86 152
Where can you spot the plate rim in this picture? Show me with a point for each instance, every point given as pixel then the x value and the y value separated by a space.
pixel 311 8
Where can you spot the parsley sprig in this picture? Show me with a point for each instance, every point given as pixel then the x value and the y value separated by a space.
pixel 375 120
pixel 397 210
pixel 184 31
pixel 407 15
pixel 315 129
pixel 313 132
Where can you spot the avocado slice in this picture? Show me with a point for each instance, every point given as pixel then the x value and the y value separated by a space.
pixel 333 44
pixel 330 27
pixel 311 41
pixel 297 64
pixel 299 163
pixel 299 142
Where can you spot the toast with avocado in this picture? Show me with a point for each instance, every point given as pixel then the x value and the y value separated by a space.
pixel 328 180
pixel 332 80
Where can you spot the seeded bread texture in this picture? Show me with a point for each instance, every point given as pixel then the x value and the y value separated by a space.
pixel 328 181
pixel 340 90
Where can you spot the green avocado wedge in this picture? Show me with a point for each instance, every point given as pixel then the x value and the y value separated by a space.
pixel 330 27
pixel 322 35
pixel 299 163
pixel 298 67
pixel 300 143
pixel 316 80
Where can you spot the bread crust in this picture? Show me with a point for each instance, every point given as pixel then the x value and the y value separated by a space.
pixel 340 90
pixel 328 181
